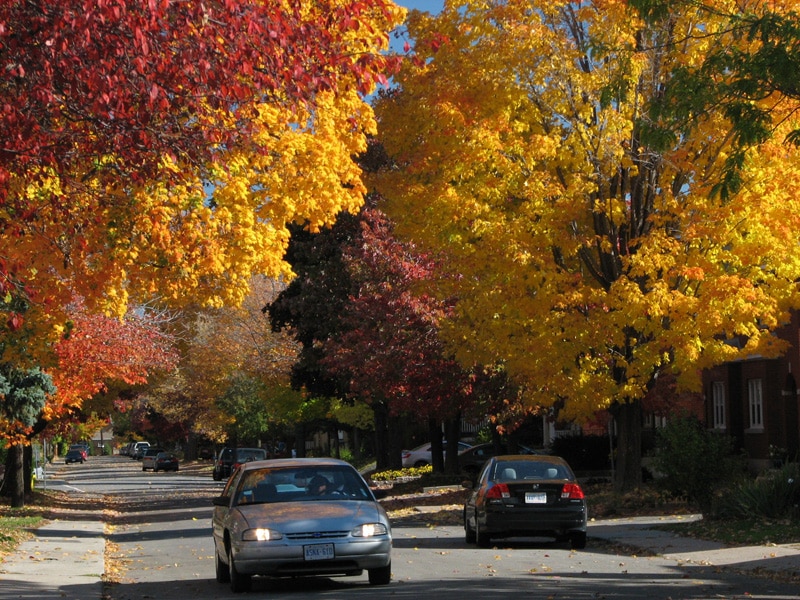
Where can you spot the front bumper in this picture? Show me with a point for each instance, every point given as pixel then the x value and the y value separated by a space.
pixel 280 558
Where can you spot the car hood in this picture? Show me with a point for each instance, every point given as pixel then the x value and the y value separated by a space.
pixel 314 515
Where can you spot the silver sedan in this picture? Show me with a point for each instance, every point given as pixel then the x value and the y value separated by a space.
pixel 303 516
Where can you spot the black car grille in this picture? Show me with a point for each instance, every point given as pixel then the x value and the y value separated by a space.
pixel 317 535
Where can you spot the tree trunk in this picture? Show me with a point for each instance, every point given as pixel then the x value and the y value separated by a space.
pixel 380 414
pixel 27 468
pixel 628 464
pixel 395 437
pixel 435 435
pixel 13 484
pixel 453 432
pixel 300 440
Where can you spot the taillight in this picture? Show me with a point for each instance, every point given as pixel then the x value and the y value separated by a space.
pixel 498 491
pixel 572 491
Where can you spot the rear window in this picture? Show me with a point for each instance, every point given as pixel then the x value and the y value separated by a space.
pixel 250 454
pixel 530 470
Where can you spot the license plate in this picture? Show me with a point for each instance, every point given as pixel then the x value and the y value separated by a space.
pixel 318 552
pixel 535 498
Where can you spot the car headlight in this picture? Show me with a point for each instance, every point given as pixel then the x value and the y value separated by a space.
pixel 261 535
pixel 369 530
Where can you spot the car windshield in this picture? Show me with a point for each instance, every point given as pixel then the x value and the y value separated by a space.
pixel 528 470
pixel 293 484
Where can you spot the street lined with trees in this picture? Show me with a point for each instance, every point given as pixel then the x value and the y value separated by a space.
pixel 555 209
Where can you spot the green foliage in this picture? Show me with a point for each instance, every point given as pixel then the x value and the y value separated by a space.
pixel 584 452
pixel 774 494
pixel 24 393
pixel 695 462
pixel 244 399
pixel 357 414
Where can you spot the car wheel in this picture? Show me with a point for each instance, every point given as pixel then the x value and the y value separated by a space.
pixel 239 583
pixel 469 532
pixel 381 575
pixel 577 540
pixel 223 575
pixel 144 468
pixel 481 537
pixel 421 463
pixel 216 476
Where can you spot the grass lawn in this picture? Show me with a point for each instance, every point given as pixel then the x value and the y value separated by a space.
pixel 15 527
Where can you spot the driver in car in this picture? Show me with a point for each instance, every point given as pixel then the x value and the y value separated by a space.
pixel 319 486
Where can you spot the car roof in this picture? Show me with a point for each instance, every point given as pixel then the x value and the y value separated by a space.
pixel 549 458
pixel 295 462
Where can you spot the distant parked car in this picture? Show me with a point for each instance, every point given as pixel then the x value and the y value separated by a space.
pixel 526 496
pixel 82 449
pixel 138 450
pixel 421 455
pixel 149 457
pixel 74 456
pixel 230 458
pixel 166 461
pixel 299 517
pixel 472 459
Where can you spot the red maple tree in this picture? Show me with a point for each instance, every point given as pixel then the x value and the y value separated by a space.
pixel 100 349
pixel 95 92
pixel 390 349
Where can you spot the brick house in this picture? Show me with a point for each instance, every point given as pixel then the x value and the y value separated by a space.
pixel 755 401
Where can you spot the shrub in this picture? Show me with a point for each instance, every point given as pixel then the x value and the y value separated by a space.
pixel 774 494
pixel 695 462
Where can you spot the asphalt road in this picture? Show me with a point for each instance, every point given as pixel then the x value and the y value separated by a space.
pixel 161 548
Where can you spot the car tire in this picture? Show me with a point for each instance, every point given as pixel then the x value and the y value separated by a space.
pixel 144 468
pixel 155 469
pixel 481 537
pixel 216 475
pixel 223 575
pixel 239 583
pixel 421 463
pixel 577 540
pixel 381 575
pixel 469 532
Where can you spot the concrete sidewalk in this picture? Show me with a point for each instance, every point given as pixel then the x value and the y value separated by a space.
pixel 638 532
pixel 65 561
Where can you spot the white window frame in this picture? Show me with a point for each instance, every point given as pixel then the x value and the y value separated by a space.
pixel 718 404
pixel 756 403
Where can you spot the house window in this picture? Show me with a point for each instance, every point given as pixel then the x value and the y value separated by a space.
pixel 718 403
pixel 756 404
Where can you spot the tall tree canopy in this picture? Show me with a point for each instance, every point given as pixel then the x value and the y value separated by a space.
pixel 162 147
pixel 232 381
pixel 588 254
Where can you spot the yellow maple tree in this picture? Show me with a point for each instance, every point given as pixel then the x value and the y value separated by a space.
pixel 586 258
